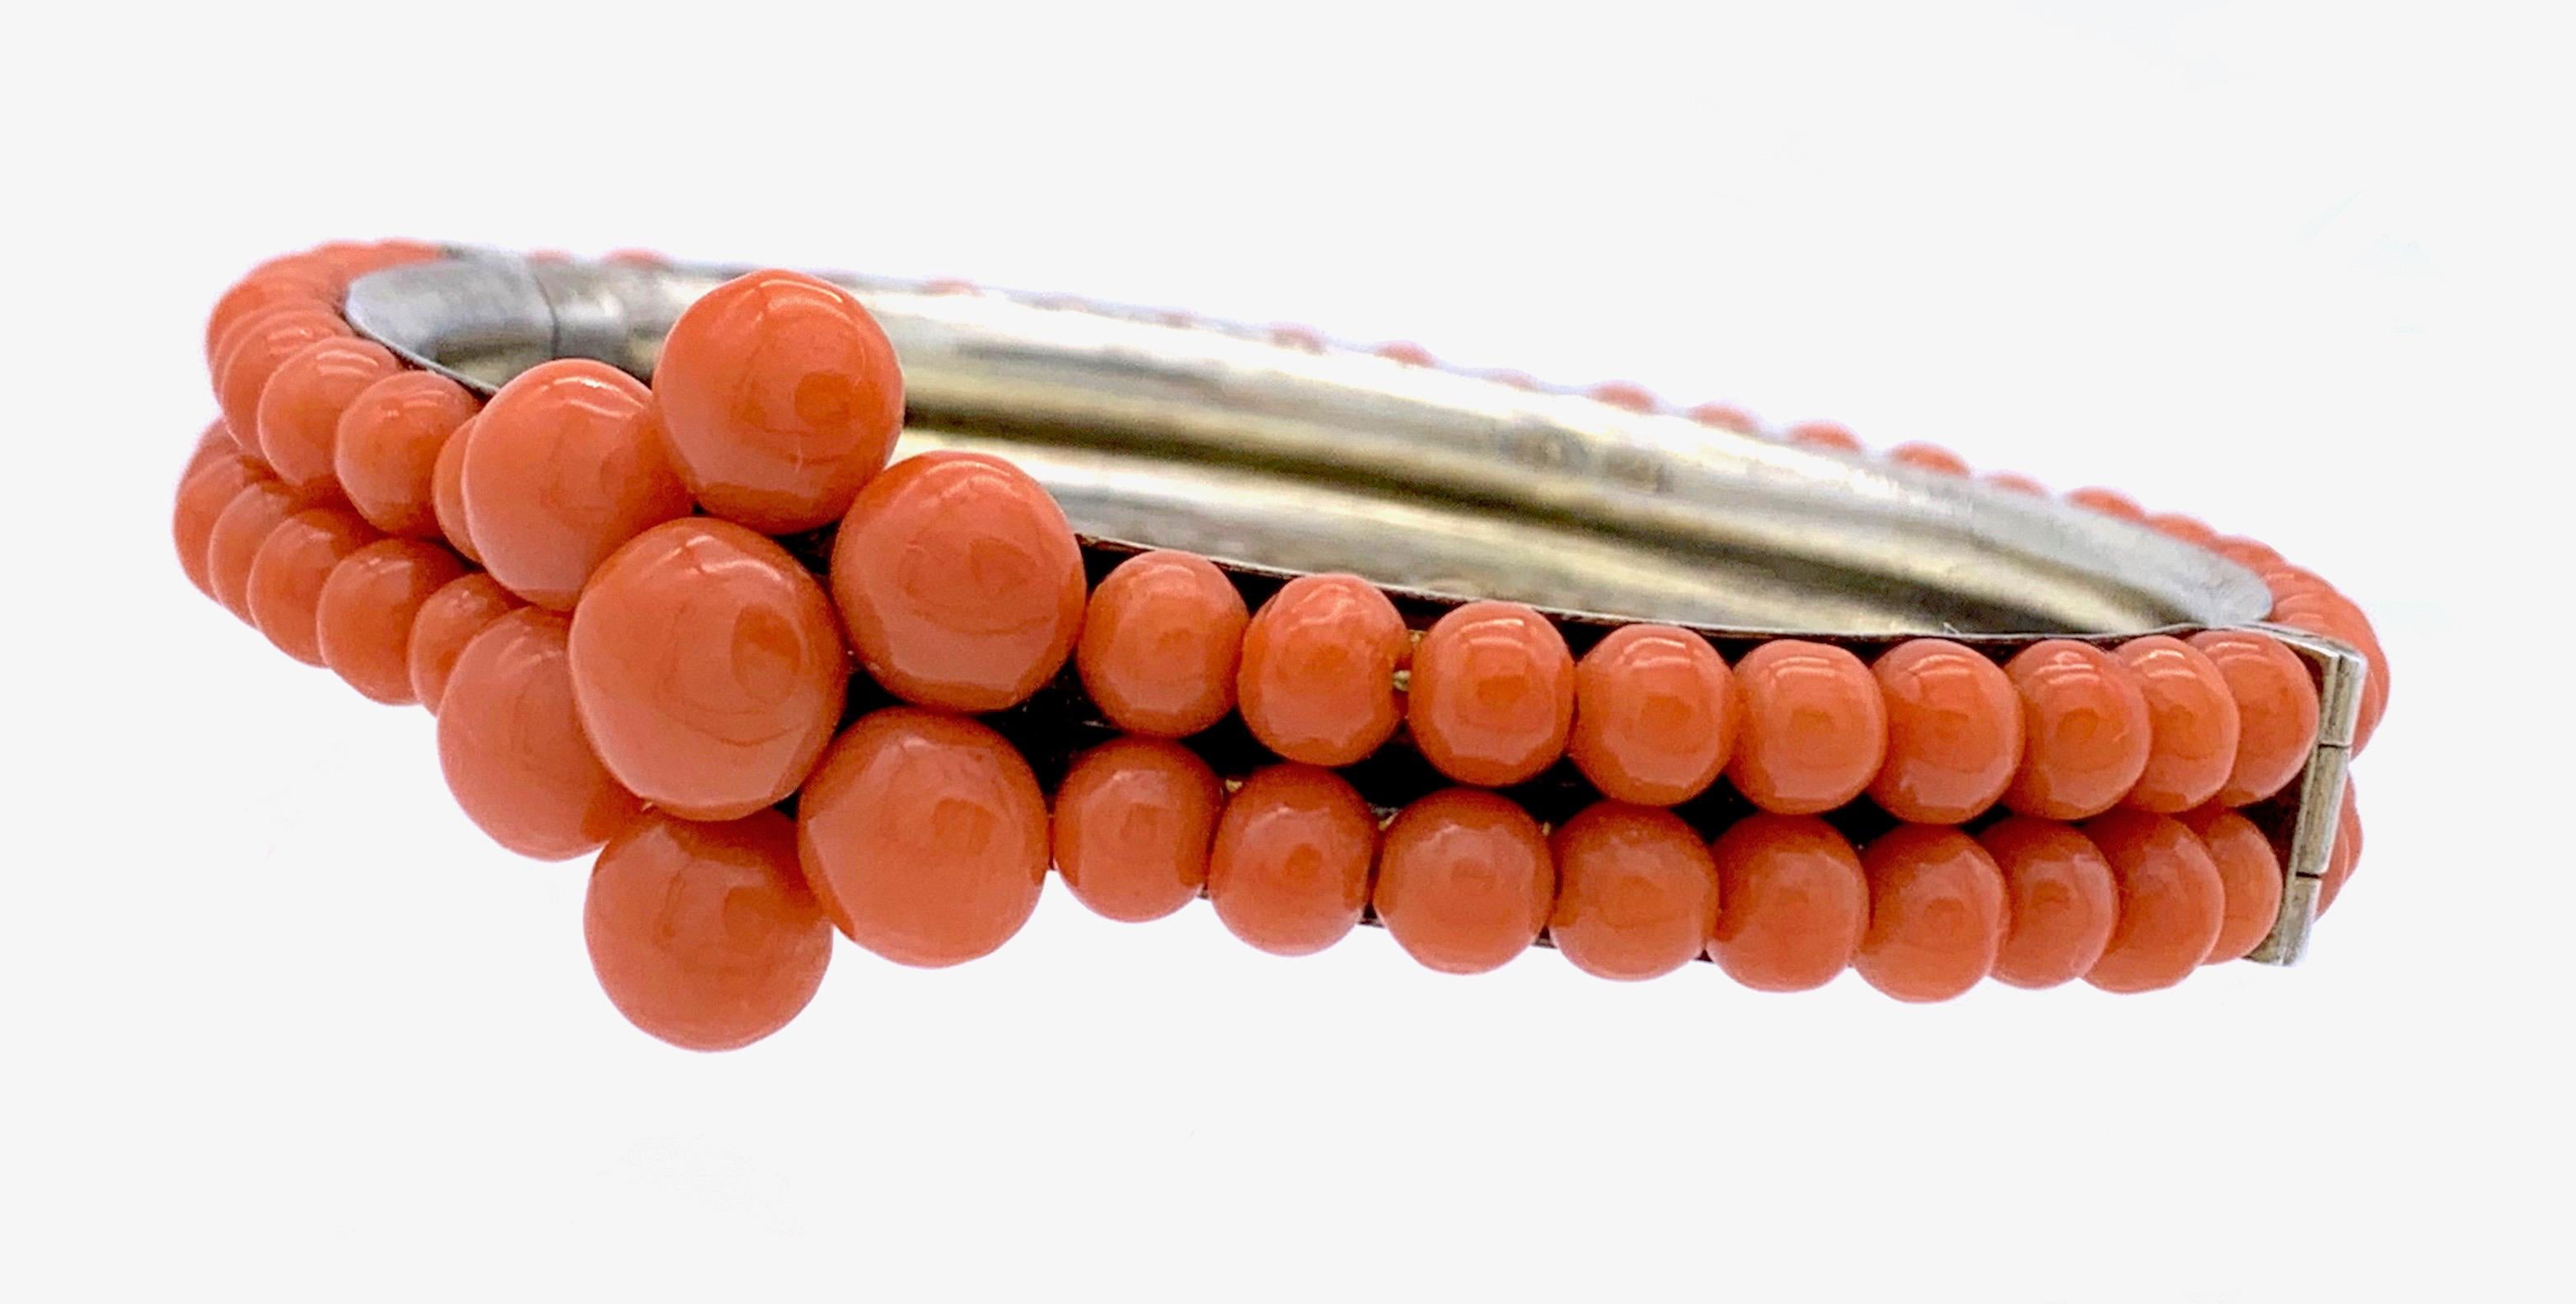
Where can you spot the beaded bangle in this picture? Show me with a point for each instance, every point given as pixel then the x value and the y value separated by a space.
pixel 1641 685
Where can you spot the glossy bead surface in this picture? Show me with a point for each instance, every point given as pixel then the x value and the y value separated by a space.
pixel 511 746
pixel 201 501
pixel 385 452
pixel 2085 730
pixel 254 352
pixel 1813 727
pixel 705 935
pixel 563 466
pixel 780 398
pixel 300 408
pixel 1792 903
pixel 2346 854
pixel 1937 907
pixel 288 572
pixel 959 581
pixel 1161 641
pixel 297 287
pixel 2276 711
pixel 1134 819
pixel 233 542
pixel 2064 900
pixel 445 624
pixel 2109 502
pixel 709 668
pixel 447 493
pixel 1317 681
pixel 924 835
pixel 2191 745
pixel 214 444
pixel 1636 891
pixel 1464 880
pixel 1654 715
pixel 1289 869
pixel 2249 877
pixel 363 620
pixel 1824 434
pixel 1954 732
pixel 1492 696
pixel 1928 457
pixel 2172 901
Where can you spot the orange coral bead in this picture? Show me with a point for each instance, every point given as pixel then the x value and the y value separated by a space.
pixel 445 624
pixel 1289 870
pixel 2064 901
pixel 253 353
pixel 563 466
pixel 1928 457
pixel 299 410
pixel 1654 715
pixel 2015 482
pixel 386 450
pixel 1954 732
pixel 2334 615
pixel 363 620
pixel 447 492
pixel 1937 906
pixel 201 501
pixel 511 746
pixel 2109 502
pixel 1406 352
pixel 1464 880
pixel 925 836
pixel 276 287
pixel 1627 394
pixel 214 444
pixel 959 580
pixel 1317 681
pixel 287 575
pixel 1134 820
pixel 709 668
pixel 1161 641
pixel 1492 696
pixel 705 935
pixel 2172 901
pixel 1793 903
pixel 1636 891
pixel 1726 417
pixel 1824 434
pixel 2191 744
pixel 2186 528
pixel 2276 710
pixel 2346 854
pixel 2085 730
pixel 1812 730
pixel 233 541
pixel 2249 878
pixel 780 398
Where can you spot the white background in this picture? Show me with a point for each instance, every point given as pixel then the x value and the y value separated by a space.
pixel 281 1025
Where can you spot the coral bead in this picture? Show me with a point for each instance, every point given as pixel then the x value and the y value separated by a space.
pixel 385 452
pixel 233 541
pixel 1134 819
pixel 1954 732
pixel 1626 394
pixel 1813 728
pixel 959 581
pixel 511 746
pixel 1725 417
pixel 1654 715
pixel 200 503
pixel 1928 457
pixel 1636 891
pixel 1492 696
pixel 2172 901
pixel 2064 900
pixel 563 466
pixel 1317 681
pixel 2085 730
pixel 780 398
pixel 2249 876
pixel 2276 711
pixel 1289 870
pixel 2109 502
pixel 1824 434
pixel 1793 903
pixel 2346 854
pixel 214 444
pixel 279 287
pixel 1464 880
pixel 2186 528
pixel 300 409
pixel 287 575
pixel 1937 907
pixel 2191 745
pixel 447 493
pixel 363 621
pixel 705 935
pixel 1161 641
pixel 445 624
pixel 709 668
pixel 924 835
pixel 253 353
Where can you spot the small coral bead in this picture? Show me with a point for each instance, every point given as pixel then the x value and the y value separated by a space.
pixel 511 745
pixel 1134 820
pixel 1289 869
pixel 385 452
pixel 364 619
pixel 447 493
pixel 705 935
pixel 2172 901
pixel 2346 855
pixel 1813 728
pixel 2064 900
pixel 1317 680
pixel 233 541
pixel 300 409
pixel 445 624
pixel 2276 711
pixel 2191 745
pixel 287 575
pixel 2085 730
pixel 1492 694
pixel 254 352
pixel 1636 891
pixel 1793 903
pixel 1161 641
pixel 1654 715
pixel 202 497
pixel 2249 877
pixel 1928 457
pixel 1954 732
pixel 563 466
pixel 1464 880
pixel 2109 502
pixel 1937 910
pixel 959 581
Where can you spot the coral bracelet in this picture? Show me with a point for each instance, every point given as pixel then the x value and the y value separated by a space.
pixel 807 603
